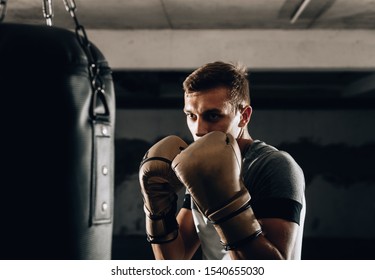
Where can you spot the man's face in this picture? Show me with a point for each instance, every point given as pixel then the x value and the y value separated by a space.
pixel 210 110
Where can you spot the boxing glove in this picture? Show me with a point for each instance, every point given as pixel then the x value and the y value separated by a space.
pixel 159 186
pixel 210 168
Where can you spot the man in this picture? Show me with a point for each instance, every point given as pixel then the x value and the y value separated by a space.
pixel 244 200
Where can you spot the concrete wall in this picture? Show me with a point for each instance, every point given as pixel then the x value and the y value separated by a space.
pixel 260 49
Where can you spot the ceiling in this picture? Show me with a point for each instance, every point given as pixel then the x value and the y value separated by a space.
pixel 198 14
pixel 340 89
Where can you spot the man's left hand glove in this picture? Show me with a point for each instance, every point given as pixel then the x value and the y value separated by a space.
pixel 211 170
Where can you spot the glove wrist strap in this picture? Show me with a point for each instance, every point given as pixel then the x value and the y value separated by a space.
pixel 161 229
pixel 237 244
pixel 237 228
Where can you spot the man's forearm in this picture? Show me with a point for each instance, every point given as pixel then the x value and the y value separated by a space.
pixel 173 250
pixel 258 249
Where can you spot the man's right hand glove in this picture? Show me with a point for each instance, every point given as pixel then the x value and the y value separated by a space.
pixel 159 186
pixel 210 168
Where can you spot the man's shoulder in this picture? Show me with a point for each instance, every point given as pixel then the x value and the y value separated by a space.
pixel 260 154
pixel 259 149
pixel 272 173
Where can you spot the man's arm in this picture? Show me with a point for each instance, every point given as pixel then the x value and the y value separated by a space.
pixel 186 243
pixel 277 241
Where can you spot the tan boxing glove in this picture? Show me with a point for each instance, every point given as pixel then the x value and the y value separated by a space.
pixel 211 170
pixel 159 186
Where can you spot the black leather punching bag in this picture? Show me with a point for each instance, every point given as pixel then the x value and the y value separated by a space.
pixel 57 150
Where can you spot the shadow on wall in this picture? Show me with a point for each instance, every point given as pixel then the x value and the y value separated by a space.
pixel 339 164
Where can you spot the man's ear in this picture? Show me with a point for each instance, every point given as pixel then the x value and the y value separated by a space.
pixel 245 115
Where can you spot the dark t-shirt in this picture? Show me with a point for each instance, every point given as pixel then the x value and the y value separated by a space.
pixel 275 182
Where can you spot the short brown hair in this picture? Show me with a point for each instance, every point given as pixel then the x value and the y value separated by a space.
pixel 218 74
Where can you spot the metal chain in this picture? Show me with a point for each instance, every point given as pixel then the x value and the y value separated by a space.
pixel 48 11
pixel 94 71
pixel 3 9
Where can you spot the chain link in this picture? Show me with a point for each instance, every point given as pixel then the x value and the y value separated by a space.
pixel 3 9
pixel 48 11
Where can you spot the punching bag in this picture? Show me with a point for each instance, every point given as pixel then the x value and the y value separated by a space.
pixel 57 146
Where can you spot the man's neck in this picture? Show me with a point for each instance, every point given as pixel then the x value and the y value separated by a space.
pixel 244 142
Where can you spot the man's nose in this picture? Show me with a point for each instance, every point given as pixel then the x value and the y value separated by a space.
pixel 202 128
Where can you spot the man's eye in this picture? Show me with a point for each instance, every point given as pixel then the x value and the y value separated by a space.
pixel 213 117
pixel 190 116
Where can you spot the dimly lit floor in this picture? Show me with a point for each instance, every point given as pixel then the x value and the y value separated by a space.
pixel 137 248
